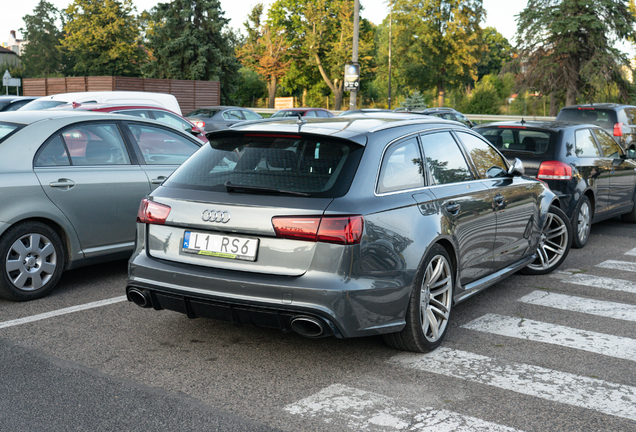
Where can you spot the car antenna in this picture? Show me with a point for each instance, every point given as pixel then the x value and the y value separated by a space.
pixel 523 121
pixel 301 121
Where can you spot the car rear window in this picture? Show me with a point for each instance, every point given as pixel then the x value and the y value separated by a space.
pixel 289 163
pixel 521 140
pixel 7 129
pixel 601 117
pixel 288 114
pixel 202 113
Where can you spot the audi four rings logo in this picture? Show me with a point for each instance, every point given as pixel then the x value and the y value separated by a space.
pixel 216 216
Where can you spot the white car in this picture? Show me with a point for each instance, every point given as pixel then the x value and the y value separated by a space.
pixel 106 97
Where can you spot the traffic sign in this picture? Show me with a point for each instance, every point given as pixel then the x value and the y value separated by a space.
pixel 5 78
pixel 352 77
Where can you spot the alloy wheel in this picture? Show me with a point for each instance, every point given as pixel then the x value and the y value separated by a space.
pixel 435 298
pixel 583 222
pixel 553 244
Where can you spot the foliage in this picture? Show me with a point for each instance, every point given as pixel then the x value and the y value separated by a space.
pixel 102 38
pixel 484 98
pixel 16 71
pixel 188 39
pixel 250 88
pixel 41 57
pixel 570 44
pixel 415 100
pixel 497 51
pixel 437 42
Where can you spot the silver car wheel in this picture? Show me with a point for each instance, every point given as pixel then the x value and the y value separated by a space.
pixel 31 262
pixel 435 299
pixel 584 222
pixel 554 243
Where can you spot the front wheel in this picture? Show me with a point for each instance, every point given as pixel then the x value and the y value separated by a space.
pixel 554 246
pixel 32 261
pixel 430 305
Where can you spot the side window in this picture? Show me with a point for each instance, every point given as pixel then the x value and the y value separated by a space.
pixel 311 114
pixel 249 115
pixel 444 159
pixel 585 144
pixel 95 144
pixel 170 119
pixel 136 113
pixel 463 119
pixel 52 153
pixel 483 155
pixel 323 114
pixel 608 145
pixel 233 115
pixel 631 115
pixel 160 146
pixel 401 167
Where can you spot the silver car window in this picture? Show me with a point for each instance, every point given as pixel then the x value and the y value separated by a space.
pixel 401 167
pixel 249 115
pixel 136 113
pixel 53 153
pixel 160 146
pixel 95 144
pixel 171 119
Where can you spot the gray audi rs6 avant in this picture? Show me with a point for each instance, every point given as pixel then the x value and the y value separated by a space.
pixel 347 226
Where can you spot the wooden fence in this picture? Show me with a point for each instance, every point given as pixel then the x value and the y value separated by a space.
pixel 189 94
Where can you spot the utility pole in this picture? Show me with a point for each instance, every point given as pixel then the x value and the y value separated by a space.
pixel 390 43
pixel 354 57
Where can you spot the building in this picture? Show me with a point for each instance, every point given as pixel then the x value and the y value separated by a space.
pixel 16 45
pixel 8 56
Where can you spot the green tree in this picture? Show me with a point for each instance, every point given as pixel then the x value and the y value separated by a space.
pixel 102 38
pixel 570 44
pixel 250 87
pixel 189 39
pixel 497 51
pixel 42 57
pixel 484 99
pixel 437 43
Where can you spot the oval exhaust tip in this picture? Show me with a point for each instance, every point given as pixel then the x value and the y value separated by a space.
pixel 307 326
pixel 139 297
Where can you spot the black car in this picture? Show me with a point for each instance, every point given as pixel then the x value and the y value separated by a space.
pixel 592 175
pixel 616 119
pixel 220 117
pixel 13 103
pixel 445 113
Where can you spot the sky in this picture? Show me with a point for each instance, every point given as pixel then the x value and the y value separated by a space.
pixel 500 14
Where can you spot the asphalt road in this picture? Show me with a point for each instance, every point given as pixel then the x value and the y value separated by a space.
pixel 532 353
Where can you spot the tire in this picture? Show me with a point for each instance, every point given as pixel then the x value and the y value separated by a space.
pixel 430 305
pixel 554 246
pixel 32 261
pixel 631 216
pixel 581 222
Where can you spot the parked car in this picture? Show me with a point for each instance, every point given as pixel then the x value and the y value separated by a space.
pixel 347 227
pixel 13 103
pixel 220 117
pixel 303 112
pixel 160 114
pixel 445 113
pixel 363 111
pixel 590 173
pixel 71 186
pixel 616 119
pixel 108 97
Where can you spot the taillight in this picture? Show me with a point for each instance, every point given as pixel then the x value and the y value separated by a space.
pixel 199 124
pixel 345 230
pixel 151 212
pixel 618 129
pixel 554 170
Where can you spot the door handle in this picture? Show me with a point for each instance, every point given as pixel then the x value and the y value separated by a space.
pixel 453 208
pixel 62 183
pixel 158 180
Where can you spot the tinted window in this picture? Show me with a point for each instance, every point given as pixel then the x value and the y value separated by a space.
pixel 585 144
pixel 233 115
pixel 52 153
pixel 16 105
pixel 40 105
pixel 323 114
pixel 202 113
pixel 288 113
pixel 160 146
pixel 483 155
pixel 95 144
pixel 516 139
pixel 608 145
pixel 444 160
pixel 603 118
pixel 311 114
pixel 322 168
pixel 630 113
pixel 249 115
pixel 8 128
pixel 462 118
pixel 401 167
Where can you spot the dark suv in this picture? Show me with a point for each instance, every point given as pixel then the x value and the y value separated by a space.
pixel 445 113
pixel 616 119
pixel 592 176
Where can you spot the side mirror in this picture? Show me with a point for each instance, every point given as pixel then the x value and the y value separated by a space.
pixel 631 154
pixel 495 171
pixel 516 169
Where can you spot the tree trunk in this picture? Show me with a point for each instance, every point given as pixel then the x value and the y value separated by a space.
pixel 271 88
pixel 440 93
pixel 554 106
pixel 304 97
pixel 338 95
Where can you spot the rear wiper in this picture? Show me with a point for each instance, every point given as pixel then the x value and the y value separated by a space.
pixel 241 188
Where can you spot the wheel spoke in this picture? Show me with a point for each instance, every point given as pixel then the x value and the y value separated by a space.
pixel 19 248
pixel 437 271
pixel 556 232
pixel 47 250
pixel 444 283
pixel 48 268
pixel 21 279
pixel 36 280
pixel 433 324
pixel 13 265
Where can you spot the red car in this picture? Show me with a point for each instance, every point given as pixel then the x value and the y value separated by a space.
pixel 158 113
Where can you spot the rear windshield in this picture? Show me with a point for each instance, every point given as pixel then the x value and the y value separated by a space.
pixel 287 114
pixel 37 105
pixel 601 117
pixel 288 163
pixel 7 129
pixel 202 113
pixel 521 140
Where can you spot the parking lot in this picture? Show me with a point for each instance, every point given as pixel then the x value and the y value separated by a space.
pixel 532 353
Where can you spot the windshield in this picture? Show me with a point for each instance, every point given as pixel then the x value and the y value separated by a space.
pixel 290 163
pixel 287 114
pixel 202 113
pixel 7 129
pixel 521 140
pixel 603 118
pixel 38 105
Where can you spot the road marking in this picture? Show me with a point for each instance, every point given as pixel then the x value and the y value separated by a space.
pixel 601 282
pixel 620 311
pixel 584 392
pixel 521 328
pixel 361 410
pixel 631 252
pixel 618 265
pixel 59 312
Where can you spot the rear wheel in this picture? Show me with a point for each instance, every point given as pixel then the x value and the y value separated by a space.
pixel 430 305
pixel 582 222
pixel 554 246
pixel 32 261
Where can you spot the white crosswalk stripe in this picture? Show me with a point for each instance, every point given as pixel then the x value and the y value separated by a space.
pixel 360 410
pixel 618 265
pixel 601 282
pixel 521 328
pixel 620 311
pixel 580 391
pixel 631 252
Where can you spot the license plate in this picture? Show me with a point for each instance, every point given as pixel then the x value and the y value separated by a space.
pixel 220 246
